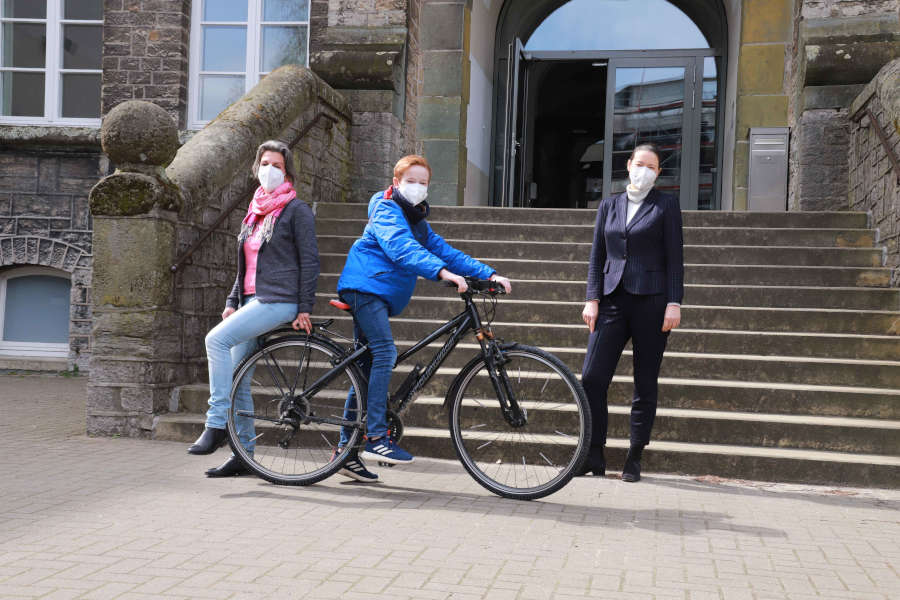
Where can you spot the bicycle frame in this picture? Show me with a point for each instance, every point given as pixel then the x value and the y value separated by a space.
pixel 459 325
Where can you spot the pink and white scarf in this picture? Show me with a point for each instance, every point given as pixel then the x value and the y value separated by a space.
pixel 268 206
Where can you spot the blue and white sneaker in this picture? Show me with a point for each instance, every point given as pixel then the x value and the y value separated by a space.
pixel 385 450
pixel 355 469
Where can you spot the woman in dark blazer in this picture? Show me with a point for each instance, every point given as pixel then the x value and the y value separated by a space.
pixel 278 268
pixel 634 291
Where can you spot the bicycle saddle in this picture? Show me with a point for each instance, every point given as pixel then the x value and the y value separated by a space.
pixel 340 305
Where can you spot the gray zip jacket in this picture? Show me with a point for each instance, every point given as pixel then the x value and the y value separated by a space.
pixel 287 267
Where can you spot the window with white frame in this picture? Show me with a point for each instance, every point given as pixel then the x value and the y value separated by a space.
pixel 34 312
pixel 50 61
pixel 234 43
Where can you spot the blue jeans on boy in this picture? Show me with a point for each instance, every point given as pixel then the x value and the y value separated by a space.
pixel 371 326
pixel 227 344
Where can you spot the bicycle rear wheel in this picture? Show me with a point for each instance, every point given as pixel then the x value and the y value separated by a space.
pixel 268 386
pixel 528 461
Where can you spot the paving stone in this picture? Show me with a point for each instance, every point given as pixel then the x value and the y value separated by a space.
pixel 122 518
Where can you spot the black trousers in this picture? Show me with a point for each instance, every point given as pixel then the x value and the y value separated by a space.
pixel 625 316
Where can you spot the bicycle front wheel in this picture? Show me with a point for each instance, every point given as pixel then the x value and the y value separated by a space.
pixel 520 460
pixel 282 436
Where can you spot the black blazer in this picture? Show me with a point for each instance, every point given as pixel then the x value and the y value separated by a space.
pixel 287 267
pixel 646 257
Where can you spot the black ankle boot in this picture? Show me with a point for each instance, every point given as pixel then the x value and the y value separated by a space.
pixel 233 467
pixel 209 441
pixel 594 464
pixel 631 472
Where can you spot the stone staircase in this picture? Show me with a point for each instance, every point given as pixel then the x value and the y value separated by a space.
pixel 786 367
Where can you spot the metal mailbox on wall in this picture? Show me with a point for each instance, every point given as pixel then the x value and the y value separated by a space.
pixel 767 188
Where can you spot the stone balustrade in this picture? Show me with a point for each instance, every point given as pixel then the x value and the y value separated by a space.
pixel 149 320
pixel 874 184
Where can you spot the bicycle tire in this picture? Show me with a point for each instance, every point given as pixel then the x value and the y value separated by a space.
pixel 271 461
pixel 485 442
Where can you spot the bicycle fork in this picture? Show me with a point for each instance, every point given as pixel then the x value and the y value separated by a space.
pixel 513 413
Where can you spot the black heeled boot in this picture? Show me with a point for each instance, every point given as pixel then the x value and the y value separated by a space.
pixel 233 467
pixel 631 472
pixel 594 464
pixel 209 441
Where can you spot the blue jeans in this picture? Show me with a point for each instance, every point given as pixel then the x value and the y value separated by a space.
pixel 371 326
pixel 227 344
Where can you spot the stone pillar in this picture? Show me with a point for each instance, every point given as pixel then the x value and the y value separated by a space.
pixel 441 123
pixel 136 331
pixel 360 49
pixel 766 41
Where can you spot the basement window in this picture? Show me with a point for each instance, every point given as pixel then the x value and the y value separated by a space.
pixel 34 312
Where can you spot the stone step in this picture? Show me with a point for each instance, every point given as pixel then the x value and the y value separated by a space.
pixel 707 255
pixel 821 220
pixel 574 334
pixel 841 434
pixel 705 394
pixel 696 236
pixel 528 294
pixel 723 460
pixel 729 318
pixel 694 274
pixel 875 374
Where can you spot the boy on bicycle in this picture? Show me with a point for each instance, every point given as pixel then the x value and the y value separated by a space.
pixel 378 280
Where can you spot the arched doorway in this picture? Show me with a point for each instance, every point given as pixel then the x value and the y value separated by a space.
pixel 578 83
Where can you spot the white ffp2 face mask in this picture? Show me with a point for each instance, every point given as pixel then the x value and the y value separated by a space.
pixel 414 192
pixel 642 178
pixel 270 177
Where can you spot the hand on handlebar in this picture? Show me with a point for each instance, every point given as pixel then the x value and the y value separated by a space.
pixel 503 281
pixel 457 280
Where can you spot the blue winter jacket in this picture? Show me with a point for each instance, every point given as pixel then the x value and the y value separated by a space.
pixel 391 253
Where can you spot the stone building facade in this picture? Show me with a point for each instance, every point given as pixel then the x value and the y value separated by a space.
pixel 430 76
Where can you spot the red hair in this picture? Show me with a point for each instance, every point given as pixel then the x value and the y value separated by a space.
pixel 411 160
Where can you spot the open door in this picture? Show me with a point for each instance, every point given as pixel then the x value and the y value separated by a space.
pixel 516 119
pixel 654 100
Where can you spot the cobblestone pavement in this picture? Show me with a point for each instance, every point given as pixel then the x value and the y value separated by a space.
pixel 122 518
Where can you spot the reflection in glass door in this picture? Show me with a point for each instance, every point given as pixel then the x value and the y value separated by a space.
pixel 648 100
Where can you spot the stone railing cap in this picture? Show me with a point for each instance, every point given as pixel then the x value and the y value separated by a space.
pixel 139 132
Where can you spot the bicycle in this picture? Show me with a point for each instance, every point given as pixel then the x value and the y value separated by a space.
pixel 518 418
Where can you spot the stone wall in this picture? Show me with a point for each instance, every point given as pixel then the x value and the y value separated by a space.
pixel 873 179
pixel 841 45
pixel 150 320
pixel 45 220
pixel 145 54
pixel 359 47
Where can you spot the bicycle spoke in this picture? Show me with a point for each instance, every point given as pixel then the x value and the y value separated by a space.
pixel 297 447
pixel 531 458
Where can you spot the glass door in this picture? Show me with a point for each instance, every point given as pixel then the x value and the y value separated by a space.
pixel 653 100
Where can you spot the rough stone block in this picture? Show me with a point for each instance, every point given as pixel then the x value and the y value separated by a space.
pixel 766 21
pixel 442 27
pixel 124 283
pixel 761 69
pixel 761 111
pixel 439 118
pixel 44 206
pixel 443 73
pixel 33 227
pixel 443 194
pixel 444 158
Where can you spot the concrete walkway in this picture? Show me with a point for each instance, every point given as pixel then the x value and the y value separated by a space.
pixel 122 518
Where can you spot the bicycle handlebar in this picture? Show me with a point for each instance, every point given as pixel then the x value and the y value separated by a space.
pixel 480 286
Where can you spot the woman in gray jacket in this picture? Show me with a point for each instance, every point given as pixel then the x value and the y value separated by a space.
pixel 278 267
